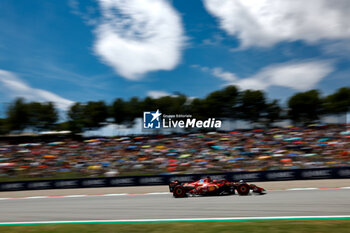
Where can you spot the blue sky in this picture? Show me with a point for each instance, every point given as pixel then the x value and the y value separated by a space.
pixel 70 50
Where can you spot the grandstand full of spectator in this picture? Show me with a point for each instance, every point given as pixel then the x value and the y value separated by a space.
pixel 249 150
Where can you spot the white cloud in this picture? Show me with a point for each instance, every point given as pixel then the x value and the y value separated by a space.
pixel 300 76
pixel 15 87
pixel 87 14
pixel 266 22
pixel 157 94
pixel 226 76
pixel 136 37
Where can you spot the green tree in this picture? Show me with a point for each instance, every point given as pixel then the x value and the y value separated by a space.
pixel 17 115
pixel 338 102
pixel 305 107
pixel 164 104
pixel 273 113
pixel 63 126
pixel 42 116
pixel 95 113
pixel 134 109
pixel 222 103
pixel 197 108
pixel 4 127
pixel 178 104
pixel 126 112
pixel 119 111
pixel 171 104
pixel 76 118
pixel 148 104
pixel 252 105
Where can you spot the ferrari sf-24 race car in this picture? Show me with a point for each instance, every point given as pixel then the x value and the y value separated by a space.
pixel 208 187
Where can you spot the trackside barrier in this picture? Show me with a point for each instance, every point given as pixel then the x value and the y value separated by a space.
pixel 273 175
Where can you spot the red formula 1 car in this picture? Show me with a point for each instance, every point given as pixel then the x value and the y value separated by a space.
pixel 206 187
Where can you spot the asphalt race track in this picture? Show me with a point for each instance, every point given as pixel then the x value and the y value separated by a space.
pixel 163 206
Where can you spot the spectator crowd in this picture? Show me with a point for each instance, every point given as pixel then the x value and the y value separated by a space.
pixel 249 150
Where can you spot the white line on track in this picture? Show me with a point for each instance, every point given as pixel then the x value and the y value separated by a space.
pixel 115 194
pixel 180 220
pixel 75 196
pixel 298 189
pixel 37 197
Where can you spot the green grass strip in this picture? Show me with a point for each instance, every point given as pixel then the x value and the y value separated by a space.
pixel 178 220
pixel 287 226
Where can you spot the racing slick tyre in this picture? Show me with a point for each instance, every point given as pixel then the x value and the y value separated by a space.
pixel 179 191
pixel 243 189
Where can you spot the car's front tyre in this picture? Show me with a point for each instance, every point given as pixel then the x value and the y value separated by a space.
pixel 243 189
pixel 179 192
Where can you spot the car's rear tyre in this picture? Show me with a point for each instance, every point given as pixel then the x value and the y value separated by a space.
pixel 179 192
pixel 243 189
